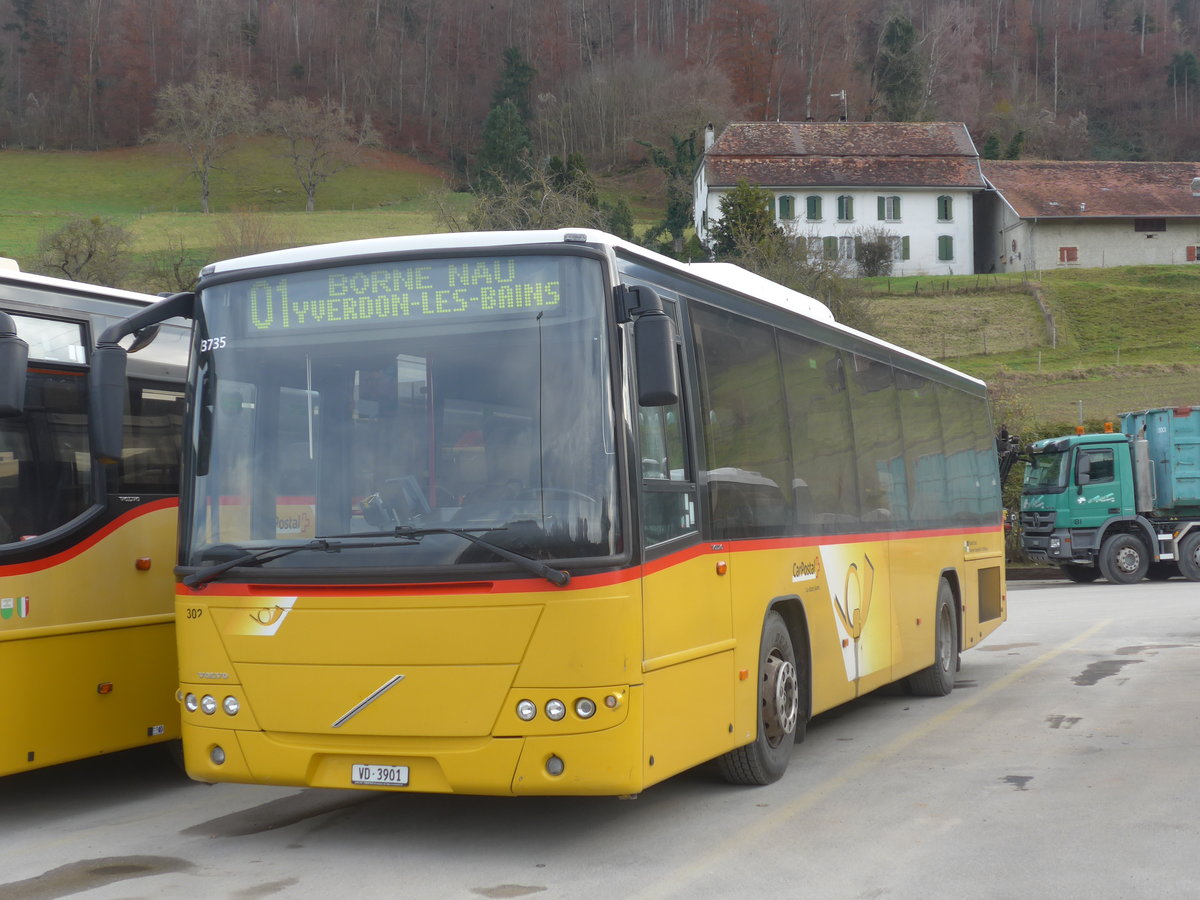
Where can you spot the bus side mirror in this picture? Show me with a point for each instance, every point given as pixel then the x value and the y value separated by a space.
pixel 107 400
pixel 14 359
pixel 654 342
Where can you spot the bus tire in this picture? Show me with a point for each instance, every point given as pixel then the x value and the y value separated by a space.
pixel 1124 559
pixel 1189 556
pixel 766 758
pixel 938 679
pixel 1080 574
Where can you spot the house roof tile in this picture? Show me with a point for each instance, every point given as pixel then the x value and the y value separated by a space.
pixel 850 154
pixel 1048 189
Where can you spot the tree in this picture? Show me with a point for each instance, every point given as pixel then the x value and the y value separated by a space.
pixel 746 221
pixel 991 147
pixel 678 167
pixel 321 139
pixel 504 156
pixel 516 84
pixel 898 71
pixel 92 250
pixel 203 116
pixel 873 251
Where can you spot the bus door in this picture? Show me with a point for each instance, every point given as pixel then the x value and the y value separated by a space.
pixel 687 628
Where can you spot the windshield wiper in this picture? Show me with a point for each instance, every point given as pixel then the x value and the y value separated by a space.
pixel 557 577
pixel 201 577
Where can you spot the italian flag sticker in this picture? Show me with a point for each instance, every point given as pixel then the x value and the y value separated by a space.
pixel 23 607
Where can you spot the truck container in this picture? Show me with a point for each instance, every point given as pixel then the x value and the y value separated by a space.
pixel 1125 505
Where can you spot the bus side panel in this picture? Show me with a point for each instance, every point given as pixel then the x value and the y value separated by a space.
pixel 77 623
pixel 78 695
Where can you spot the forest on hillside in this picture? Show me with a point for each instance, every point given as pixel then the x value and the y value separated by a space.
pixel 1068 79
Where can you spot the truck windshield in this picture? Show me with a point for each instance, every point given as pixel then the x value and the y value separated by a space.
pixel 438 395
pixel 1047 473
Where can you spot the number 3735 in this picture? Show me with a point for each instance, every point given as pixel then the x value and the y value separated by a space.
pixel 208 345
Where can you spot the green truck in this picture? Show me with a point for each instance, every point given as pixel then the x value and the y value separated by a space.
pixel 1125 505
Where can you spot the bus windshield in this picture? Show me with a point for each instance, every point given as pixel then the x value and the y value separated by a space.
pixel 1046 473
pixel 431 396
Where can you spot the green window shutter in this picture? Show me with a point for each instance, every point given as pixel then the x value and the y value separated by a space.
pixel 896 211
pixel 905 253
pixel 945 247
pixel 771 204
pixel 831 247
pixel 814 208
pixel 945 208
pixel 882 208
pixel 787 208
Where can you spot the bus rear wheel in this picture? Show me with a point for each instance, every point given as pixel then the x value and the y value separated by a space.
pixel 766 759
pixel 938 679
pixel 1123 559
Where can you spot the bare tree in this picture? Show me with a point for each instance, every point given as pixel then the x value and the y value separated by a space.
pixel 321 139
pixel 92 250
pixel 204 116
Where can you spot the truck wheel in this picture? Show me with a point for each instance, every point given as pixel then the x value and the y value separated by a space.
pixel 766 759
pixel 938 679
pixel 1124 559
pixel 1080 574
pixel 1189 556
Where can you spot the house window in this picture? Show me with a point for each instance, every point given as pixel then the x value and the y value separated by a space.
pixel 845 208
pixel 787 207
pixel 889 209
pixel 900 247
pixel 771 204
pixel 945 248
pixel 1148 225
pixel 1193 254
pixel 814 209
pixel 830 246
pixel 1068 255
pixel 846 247
pixel 945 204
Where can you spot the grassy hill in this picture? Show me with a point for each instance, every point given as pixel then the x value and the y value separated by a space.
pixel 1115 339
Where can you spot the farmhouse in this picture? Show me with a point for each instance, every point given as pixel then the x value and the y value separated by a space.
pixel 836 183
pixel 1044 215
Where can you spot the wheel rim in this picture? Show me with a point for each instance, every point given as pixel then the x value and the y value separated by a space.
pixel 1128 560
pixel 781 699
pixel 945 639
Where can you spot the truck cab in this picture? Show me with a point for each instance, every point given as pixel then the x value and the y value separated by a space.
pixel 1077 489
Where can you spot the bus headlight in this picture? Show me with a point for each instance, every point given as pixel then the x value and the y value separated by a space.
pixel 191 702
pixel 555 710
pixel 585 708
pixel 526 710
pixel 208 704
pixel 231 706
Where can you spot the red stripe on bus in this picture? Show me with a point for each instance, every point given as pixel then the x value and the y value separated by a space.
pixel 578 582
pixel 90 541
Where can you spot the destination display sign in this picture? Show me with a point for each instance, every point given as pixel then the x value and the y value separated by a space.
pixel 409 291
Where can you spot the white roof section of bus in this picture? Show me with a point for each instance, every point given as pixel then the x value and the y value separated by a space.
pixel 14 275
pixel 726 275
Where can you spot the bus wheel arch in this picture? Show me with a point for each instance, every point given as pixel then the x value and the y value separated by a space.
pixel 782 706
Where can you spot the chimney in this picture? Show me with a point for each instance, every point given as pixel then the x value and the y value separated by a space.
pixel 709 138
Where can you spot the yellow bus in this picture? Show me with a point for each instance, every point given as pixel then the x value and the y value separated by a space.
pixel 87 643
pixel 547 513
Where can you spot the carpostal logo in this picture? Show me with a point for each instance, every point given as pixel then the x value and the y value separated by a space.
pixel 806 571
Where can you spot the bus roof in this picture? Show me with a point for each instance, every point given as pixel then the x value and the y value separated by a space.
pixel 14 276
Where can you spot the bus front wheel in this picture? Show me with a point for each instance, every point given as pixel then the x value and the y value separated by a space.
pixel 938 679
pixel 766 759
